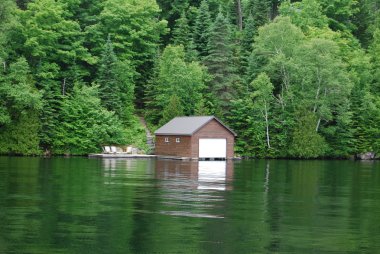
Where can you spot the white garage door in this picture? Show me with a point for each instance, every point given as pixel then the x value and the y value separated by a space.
pixel 212 148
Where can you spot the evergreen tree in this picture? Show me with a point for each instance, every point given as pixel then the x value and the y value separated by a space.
pixel 375 59
pixel 306 142
pixel 260 10
pixel 135 41
pixel 218 62
pixel 116 85
pixel 171 10
pixel 85 124
pixel 20 137
pixel 182 36
pixel 202 29
pixel 172 109
pixel 109 87
pixel 175 77
pixel 249 32
pixel 251 118
pixel 19 110
pixel 181 32
pixel 368 111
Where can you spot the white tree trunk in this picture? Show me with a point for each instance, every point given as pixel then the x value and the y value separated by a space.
pixel 64 87
pixel 267 125
pixel 318 123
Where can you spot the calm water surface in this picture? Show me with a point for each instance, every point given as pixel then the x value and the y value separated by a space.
pixel 80 205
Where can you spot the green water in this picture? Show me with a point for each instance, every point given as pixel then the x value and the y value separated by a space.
pixel 80 205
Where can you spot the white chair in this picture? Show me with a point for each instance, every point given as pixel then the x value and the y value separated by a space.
pixel 113 149
pixel 107 149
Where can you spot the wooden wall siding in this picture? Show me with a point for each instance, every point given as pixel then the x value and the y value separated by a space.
pixel 172 148
pixel 213 129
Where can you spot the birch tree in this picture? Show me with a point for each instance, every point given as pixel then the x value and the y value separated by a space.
pixel 263 98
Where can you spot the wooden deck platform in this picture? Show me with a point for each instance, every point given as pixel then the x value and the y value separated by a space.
pixel 143 156
pixel 135 156
pixel 119 155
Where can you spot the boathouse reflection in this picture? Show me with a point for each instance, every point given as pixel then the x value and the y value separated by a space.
pixel 201 175
pixel 194 188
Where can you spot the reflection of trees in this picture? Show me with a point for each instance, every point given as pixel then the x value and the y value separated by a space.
pixel 19 200
pixel 142 206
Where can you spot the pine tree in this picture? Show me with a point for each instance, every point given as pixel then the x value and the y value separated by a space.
pixel 202 29
pixel 85 124
pixel 260 10
pixel 115 79
pixel 218 62
pixel 306 142
pixel 182 36
pixel 109 87
pixel 21 136
pixel 249 32
pixel 175 76
pixel 181 32
pixel 173 109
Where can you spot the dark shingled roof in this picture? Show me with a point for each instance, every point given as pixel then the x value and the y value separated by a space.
pixel 187 125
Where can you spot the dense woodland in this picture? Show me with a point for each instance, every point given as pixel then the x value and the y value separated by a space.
pixel 293 78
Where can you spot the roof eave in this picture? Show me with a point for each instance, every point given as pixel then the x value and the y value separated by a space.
pixel 172 134
pixel 220 122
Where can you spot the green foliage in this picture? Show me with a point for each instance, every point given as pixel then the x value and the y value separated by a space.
pixel 52 38
pixel 259 10
pixel 172 109
pixel 136 39
pixel 181 32
pixel 307 73
pixel 202 29
pixel 17 92
pixel 315 63
pixel 367 104
pixel 135 33
pixel 175 77
pixel 182 36
pixel 20 104
pixel 8 22
pixel 306 142
pixel 116 87
pixel 135 134
pixel 306 14
pixel 251 117
pixel 85 124
pixel 21 136
pixel 224 83
pixel 340 13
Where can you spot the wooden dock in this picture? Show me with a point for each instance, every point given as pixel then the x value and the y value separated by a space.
pixel 120 155
pixel 135 156
pixel 145 156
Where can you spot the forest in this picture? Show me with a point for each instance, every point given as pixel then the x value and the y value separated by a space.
pixel 294 79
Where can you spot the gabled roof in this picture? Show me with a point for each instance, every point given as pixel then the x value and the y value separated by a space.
pixel 187 125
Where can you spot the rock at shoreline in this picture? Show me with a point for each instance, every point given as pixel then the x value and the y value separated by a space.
pixel 366 156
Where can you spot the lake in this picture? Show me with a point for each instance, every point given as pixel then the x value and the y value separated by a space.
pixel 80 205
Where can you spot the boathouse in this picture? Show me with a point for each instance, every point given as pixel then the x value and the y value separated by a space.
pixel 195 137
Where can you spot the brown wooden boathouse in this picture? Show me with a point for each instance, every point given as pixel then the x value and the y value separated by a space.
pixel 195 137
